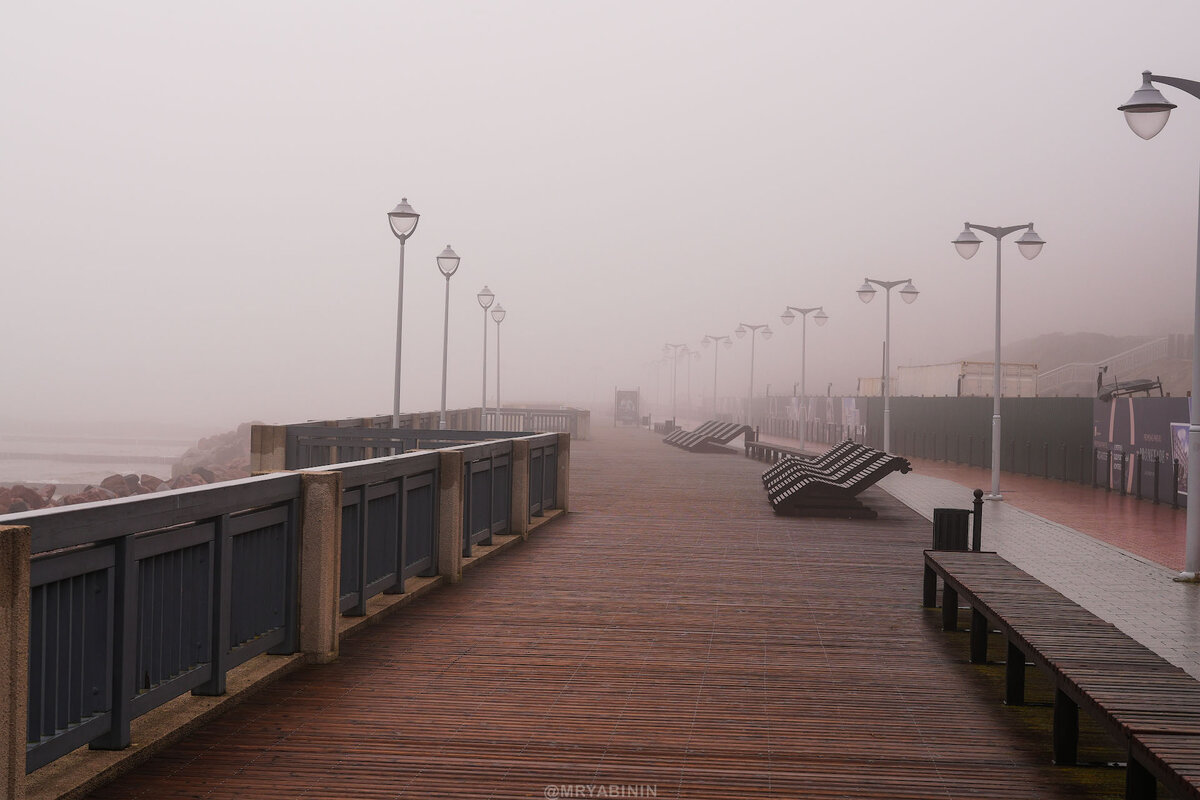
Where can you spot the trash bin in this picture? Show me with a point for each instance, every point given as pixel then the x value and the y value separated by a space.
pixel 951 528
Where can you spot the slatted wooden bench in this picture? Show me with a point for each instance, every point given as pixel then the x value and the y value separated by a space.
pixel 844 464
pixel 835 494
pixel 1148 705
pixel 711 437
pixel 829 458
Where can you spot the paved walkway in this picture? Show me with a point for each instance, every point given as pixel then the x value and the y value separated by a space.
pixel 671 637
pixel 1116 556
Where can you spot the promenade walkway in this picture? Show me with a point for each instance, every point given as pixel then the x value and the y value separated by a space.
pixel 670 637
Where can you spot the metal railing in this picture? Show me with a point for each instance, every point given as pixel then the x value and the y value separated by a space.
pixel 574 421
pixel 1081 374
pixel 137 601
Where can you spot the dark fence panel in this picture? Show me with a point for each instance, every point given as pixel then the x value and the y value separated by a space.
pixel 137 601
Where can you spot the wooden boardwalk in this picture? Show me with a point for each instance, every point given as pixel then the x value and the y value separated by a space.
pixel 671 637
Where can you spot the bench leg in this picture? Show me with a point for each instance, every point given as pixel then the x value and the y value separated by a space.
pixel 949 609
pixel 1139 783
pixel 1066 729
pixel 1014 676
pixel 979 637
pixel 930 596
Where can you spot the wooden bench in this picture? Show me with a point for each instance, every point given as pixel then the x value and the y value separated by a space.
pixel 711 437
pixel 834 494
pixel 830 457
pixel 1148 705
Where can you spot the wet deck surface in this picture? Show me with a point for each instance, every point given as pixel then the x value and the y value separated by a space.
pixel 670 637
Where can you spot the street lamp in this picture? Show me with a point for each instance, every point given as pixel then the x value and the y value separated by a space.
pixel 866 293
pixel 692 355
pixel 447 262
pixel 740 331
pixel 403 221
pixel 820 317
pixel 706 341
pixel 498 316
pixel 1147 112
pixel 1029 244
pixel 673 350
pixel 485 298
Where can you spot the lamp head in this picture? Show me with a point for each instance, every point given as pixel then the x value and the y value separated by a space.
pixel 866 292
pixel 403 219
pixel 485 298
pixel 740 331
pixel 909 292
pixel 1147 111
pixel 447 262
pixel 1030 244
pixel 498 314
pixel 820 317
pixel 788 317
pixel 967 242
pixel 767 333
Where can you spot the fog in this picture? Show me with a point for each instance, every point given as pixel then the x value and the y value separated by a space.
pixel 193 197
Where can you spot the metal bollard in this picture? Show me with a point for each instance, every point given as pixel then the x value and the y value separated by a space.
pixel 977 522
pixel 1157 461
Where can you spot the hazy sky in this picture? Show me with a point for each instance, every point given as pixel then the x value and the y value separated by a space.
pixel 193 196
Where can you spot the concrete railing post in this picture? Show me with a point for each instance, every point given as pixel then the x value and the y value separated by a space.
pixel 268 448
pixel 563 486
pixel 519 507
pixel 14 663
pixel 450 511
pixel 320 564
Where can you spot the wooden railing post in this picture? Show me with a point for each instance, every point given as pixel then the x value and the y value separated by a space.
pixel 519 506
pixel 320 564
pixel 14 665
pixel 268 448
pixel 450 515
pixel 563 486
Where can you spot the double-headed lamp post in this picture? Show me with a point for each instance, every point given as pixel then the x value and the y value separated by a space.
pixel 1029 244
pixel 498 316
pixel 866 293
pixel 403 221
pixel 706 341
pixel 740 331
pixel 673 350
pixel 447 262
pixel 820 317
pixel 485 297
pixel 1147 112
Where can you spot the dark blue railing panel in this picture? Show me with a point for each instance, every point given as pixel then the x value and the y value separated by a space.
pixel 129 608
pixel 383 536
pixel 501 495
pixel 70 642
pixel 351 558
pixel 420 526
pixel 536 470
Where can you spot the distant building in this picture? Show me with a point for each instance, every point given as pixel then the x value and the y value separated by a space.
pixel 956 379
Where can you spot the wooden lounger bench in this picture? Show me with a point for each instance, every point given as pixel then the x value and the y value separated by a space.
pixel 829 458
pixel 711 437
pixel 1149 706
pixel 834 494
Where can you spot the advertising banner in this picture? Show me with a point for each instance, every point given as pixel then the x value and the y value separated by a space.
pixel 626 407
pixel 1128 427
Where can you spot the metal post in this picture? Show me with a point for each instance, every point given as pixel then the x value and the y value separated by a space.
pixel 498 374
pixel 1192 547
pixel 483 401
pixel 887 338
pixel 445 355
pixel 750 395
pixel 399 328
pixel 995 495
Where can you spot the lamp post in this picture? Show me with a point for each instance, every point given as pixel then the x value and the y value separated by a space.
pixel 485 298
pixel 866 293
pixel 820 317
pixel 447 262
pixel 1147 112
pixel 740 331
pixel 692 355
pixel 706 341
pixel 403 221
pixel 1029 244
pixel 673 350
pixel 498 316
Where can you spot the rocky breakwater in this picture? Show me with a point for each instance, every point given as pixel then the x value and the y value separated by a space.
pixel 223 457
